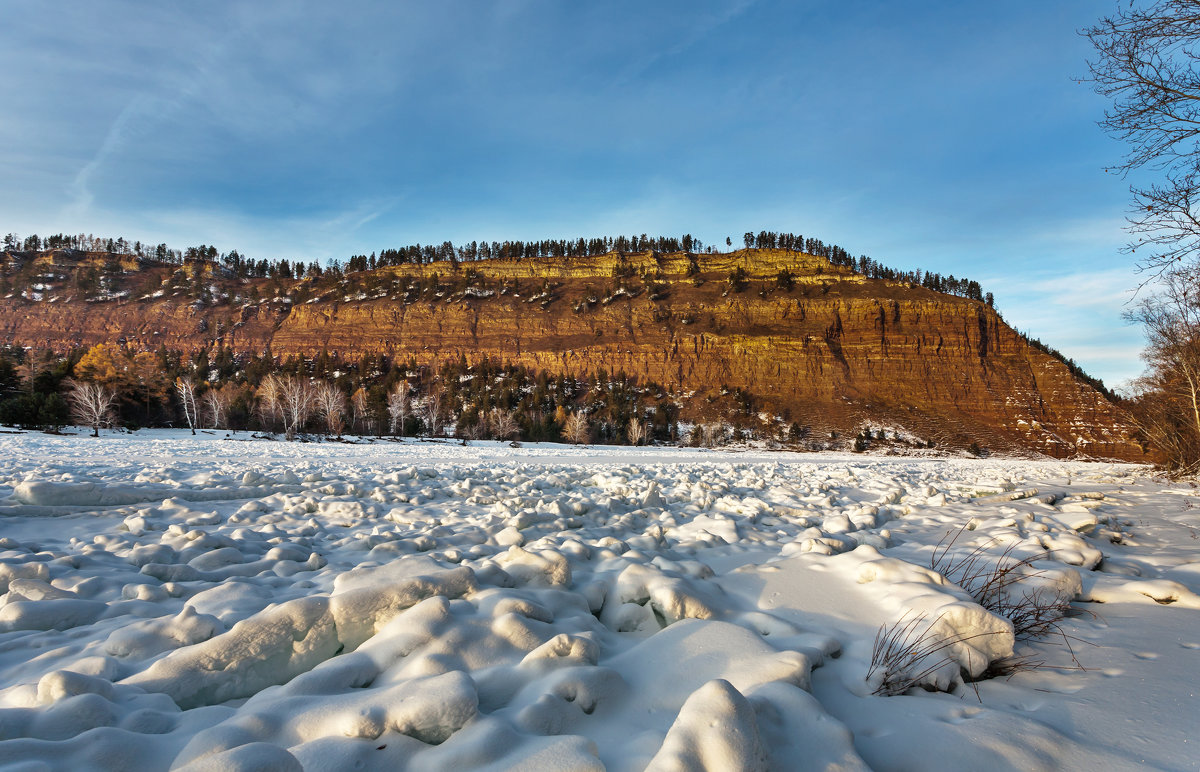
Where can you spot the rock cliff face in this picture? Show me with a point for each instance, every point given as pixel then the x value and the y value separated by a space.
pixel 817 342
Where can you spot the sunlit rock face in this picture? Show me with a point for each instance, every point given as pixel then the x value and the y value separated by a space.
pixel 825 347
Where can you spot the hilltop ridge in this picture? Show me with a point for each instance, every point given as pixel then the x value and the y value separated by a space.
pixel 814 342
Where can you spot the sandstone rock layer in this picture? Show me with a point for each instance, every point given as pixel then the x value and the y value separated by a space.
pixel 832 350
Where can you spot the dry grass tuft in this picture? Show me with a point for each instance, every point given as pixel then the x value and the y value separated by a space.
pixel 906 654
pixel 994 583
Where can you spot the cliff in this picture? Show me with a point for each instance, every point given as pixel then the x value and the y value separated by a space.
pixel 813 341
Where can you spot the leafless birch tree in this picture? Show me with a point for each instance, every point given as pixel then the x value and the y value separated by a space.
pixel 331 407
pixel 185 389
pixel 1167 405
pixel 713 434
pixel 397 406
pixel 215 407
pixel 432 408
pixel 576 429
pixel 92 405
pixel 363 416
pixel 502 424
pixel 296 401
pixel 636 431
pixel 270 411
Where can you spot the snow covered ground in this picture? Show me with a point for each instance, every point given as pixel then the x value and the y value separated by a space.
pixel 211 604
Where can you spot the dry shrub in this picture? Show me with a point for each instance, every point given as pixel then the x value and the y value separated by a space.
pixel 995 584
pixel 906 653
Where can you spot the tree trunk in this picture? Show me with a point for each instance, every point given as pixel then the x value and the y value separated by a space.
pixel 1192 388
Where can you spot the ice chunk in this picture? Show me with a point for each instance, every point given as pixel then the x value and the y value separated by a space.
pixel 653 498
pixel 716 729
pixel 152 636
pixel 252 757
pixel 10 571
pixel 363 604
pixel 63 683
pixel 509 537
pixel 269 648
pixel 54 614
pixel 537 568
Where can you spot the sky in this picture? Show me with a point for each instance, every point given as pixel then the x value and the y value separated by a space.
pixel 947 136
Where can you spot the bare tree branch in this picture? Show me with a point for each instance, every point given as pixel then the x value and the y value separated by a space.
pixel 1167 405
pixel 216 406
pixel 636 431
pixel 1148 63
pixel 576 429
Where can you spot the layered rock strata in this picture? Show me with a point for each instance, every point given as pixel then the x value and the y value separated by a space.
pixel 817 342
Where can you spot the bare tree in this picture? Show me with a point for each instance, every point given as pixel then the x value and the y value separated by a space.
pixel 433 408
pixel 1167 405
pixel 576 428
pixel 636 431
pixel 712 434
pixel 331 407
pixel 1148 63
pixel 1163 427
pixel 397 406
pixel 270 410
pixel 364 417
pixel 185 389
pixel 296 400
pixel 215 407
pixel 92 405
pixel 502 424
pixel 476 431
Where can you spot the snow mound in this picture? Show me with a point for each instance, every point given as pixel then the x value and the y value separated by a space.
pixel 715 729
pixel 282 641
pixel 428 606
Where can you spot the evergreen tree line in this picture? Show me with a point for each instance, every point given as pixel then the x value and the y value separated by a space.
pixel 86 242
pixel 1073 367
pixel 522 250
pixel 240 266
pixel 866 266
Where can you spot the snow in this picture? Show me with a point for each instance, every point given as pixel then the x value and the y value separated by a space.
pixel 221 603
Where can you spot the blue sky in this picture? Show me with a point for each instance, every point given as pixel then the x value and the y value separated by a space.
pixel 949 136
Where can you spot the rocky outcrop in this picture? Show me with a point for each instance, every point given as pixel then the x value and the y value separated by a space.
pixel 809 339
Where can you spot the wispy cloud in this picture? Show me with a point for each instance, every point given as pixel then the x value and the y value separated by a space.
pixel 702 26
pixel 307 130
pixel 1103 232
pixel 1109 290
pixel 80 190
pixel 323 236
pixel 1079 313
